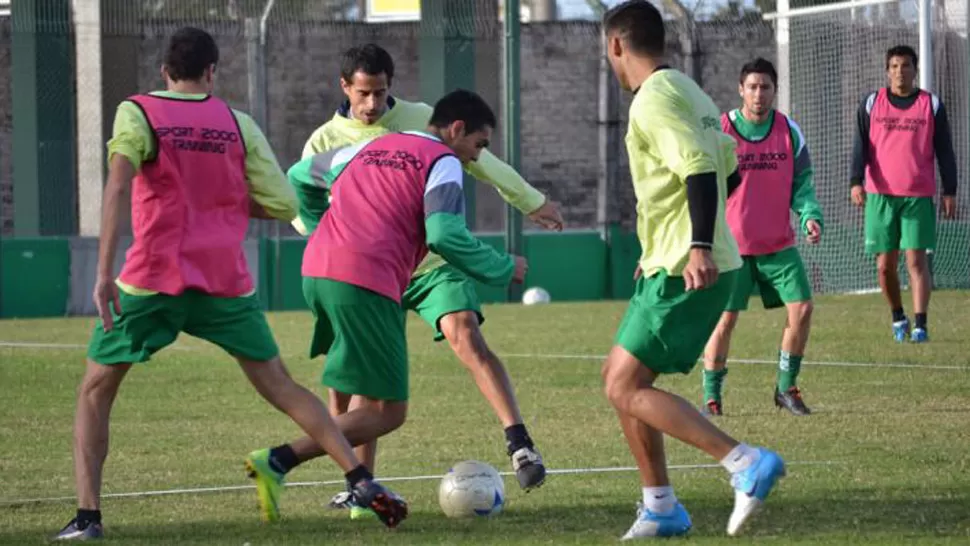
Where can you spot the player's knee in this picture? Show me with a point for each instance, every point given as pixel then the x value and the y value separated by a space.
pixel 393 415
pixel 465 337
pixel 800 313
pixel 886 264
pixel 726 325
pixel 615 390
pixel 916 261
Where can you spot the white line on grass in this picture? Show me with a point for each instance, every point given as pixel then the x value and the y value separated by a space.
pixel 757 361
pixel 33 345
pixel 227 488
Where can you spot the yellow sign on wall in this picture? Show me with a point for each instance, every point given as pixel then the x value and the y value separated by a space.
pixel 393 10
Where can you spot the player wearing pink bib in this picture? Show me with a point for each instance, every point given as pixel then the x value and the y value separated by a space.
pixel 901 131
pixel 392 199
pixel 197 171
pixel 776 180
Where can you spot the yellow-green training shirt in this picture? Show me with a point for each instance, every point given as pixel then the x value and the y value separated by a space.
pixel 403 115
pixel 674 132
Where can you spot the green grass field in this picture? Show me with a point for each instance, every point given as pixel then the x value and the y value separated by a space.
pixel 883 460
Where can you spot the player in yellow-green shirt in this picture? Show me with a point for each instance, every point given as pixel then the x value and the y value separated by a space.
pixel 439 293
pixel 680 163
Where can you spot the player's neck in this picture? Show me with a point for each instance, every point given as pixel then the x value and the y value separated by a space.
pixel 640 69
pixel 756 119
pixel 902 91
pixel 186 87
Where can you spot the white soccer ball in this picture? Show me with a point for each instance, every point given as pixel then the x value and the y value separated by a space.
pixel 471 489
pixel 535 295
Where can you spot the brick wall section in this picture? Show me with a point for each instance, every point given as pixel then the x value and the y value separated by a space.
pixel 560 67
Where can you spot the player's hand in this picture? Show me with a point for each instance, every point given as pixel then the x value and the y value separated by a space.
pixel 949 207
pixel 701 271
pixel 814 232
pixel 521 269
pixel 547 216
pixel 105 299
pixel 858 196
pixel 637 272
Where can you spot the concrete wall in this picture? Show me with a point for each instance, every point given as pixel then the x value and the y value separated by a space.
pixel 559 92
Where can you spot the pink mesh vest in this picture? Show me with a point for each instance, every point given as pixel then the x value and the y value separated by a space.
pixel 190 203
pixel 758 211
pixel 901 153
pixel 373 235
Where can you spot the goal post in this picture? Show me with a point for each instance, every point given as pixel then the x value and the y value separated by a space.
pixel 829 58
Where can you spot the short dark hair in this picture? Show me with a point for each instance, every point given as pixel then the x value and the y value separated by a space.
pixel 371 59
pixel 190 51
pixel 902 51
pixel 638 23
pixel 759 66
pixel 463 105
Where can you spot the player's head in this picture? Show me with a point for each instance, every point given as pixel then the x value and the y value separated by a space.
pixel 191 56
pixel 634 30
pixel 365 77
pixel 464 122
pixel 757 86
pixel 901 65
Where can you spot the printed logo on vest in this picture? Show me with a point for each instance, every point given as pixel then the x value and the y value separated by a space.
pixel 896 123
pixel 399 160
pixel 762 161
pixel 191 140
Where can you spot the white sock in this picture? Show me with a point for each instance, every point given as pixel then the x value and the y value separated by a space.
pixel 659 500
pixel 740 458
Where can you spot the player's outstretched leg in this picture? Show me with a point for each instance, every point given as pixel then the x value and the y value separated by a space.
pixel 96 395
pixel 341 403
pixel 921 283
pixel 793 342
pixel 715 363
pixel 754 471
pixel 887 265
pixel 306 410
pixel 465 337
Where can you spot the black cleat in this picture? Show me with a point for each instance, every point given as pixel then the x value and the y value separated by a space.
pixel 390 508
pixel 712 407
pixel 71 531
pixel 792 401
pixel 529 470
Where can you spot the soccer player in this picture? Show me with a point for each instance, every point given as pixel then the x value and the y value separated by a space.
pixel 197 171
pixel 680 162
pixel 776 176
pixel 392 199
pixel 901 129
pixel 439 293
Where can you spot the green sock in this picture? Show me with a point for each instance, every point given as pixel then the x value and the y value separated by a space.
pixel 788 368
pixel 712 384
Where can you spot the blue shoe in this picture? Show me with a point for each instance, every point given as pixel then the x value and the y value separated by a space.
pixel 73 531
pixel 751 488
pixel 900 330
pixel 919 335
pixel 649 524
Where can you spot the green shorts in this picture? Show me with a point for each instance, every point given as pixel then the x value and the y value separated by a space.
pixel 148 324
pixel 440 292
pixel 362 334
pixel 780 278
pixel 667 327
pixel 899 223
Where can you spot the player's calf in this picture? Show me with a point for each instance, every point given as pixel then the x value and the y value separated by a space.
pixel 466 340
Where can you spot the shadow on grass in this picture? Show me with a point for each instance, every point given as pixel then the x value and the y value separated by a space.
pixel 848 516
